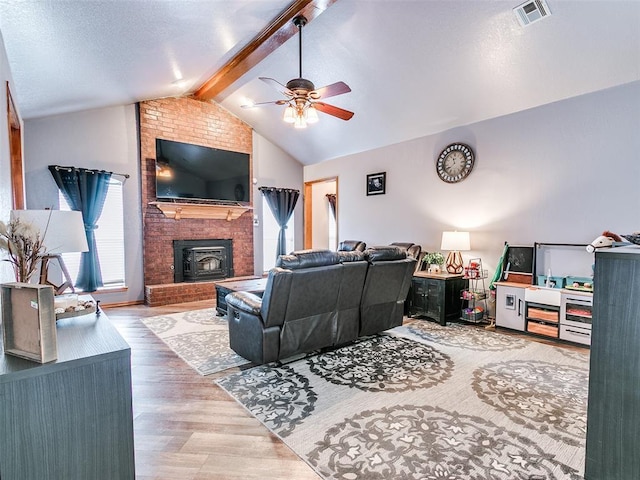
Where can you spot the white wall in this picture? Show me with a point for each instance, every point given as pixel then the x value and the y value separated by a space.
pixel 560 173
pixel 273 167
pixel 103 139
pixel 6 202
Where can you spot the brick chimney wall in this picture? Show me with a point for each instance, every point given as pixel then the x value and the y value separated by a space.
pixel 201 123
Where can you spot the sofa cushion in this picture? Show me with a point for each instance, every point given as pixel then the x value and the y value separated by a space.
pixel 385 253
pixel 307 259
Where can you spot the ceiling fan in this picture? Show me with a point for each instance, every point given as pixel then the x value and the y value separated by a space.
pixel 302 97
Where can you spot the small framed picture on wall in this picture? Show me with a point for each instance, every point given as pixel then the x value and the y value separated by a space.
pixel 376 183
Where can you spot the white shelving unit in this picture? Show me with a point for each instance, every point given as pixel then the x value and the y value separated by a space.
pixel 477 293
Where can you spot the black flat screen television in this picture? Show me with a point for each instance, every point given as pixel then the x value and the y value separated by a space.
pixel 193 172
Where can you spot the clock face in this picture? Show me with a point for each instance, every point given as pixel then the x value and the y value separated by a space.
pixel 455 163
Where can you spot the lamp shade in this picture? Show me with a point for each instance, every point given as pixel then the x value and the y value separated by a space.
pixel 62 231
pixel 455 241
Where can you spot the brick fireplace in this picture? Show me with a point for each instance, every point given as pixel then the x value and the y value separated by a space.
pixel 201 123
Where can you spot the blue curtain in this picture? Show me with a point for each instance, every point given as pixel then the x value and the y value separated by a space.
pixel 281 201
pixel 85 190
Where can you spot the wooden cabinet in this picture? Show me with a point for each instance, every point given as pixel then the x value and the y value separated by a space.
pixel 437 296
pixel 510 311
pixel 613 416
pixel 70 418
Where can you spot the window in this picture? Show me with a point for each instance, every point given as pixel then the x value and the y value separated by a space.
pixel 270 231
pixel 109 238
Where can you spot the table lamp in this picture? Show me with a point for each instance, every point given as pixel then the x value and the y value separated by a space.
pixel 455 242
pixel 63 232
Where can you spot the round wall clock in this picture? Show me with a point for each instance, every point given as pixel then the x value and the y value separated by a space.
pixel 455 163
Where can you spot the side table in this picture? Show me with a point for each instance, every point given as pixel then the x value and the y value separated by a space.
pixel 437 296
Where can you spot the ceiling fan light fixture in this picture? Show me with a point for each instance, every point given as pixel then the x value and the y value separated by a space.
pixel 300 122
pixel 301 95
pixel 311 114
pixel 289 114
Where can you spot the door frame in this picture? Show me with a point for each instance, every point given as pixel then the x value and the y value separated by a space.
pixel 15 154
pixel 308 209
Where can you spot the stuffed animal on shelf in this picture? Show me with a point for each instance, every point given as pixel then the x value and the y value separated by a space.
pixel 614 236
pixel 607 239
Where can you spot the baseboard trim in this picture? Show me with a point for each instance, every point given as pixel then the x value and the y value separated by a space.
pixel 121 304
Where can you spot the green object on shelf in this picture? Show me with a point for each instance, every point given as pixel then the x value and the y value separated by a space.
pixel 498 273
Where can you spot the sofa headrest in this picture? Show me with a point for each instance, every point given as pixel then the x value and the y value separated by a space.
pixel 308 259
pixel 352 256
pixel 413 250
pixel 403 245
pixel 386 253
pixel 350 245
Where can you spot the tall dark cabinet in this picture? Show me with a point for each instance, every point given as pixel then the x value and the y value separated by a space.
pixel 613 418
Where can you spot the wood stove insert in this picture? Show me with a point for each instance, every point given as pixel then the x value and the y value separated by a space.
pixel 202 260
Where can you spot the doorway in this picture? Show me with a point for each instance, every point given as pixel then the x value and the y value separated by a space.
pixel 320 221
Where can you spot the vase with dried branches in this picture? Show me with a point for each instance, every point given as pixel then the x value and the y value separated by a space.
pixel 24 245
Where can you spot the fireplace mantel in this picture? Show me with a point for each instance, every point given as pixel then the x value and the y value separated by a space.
pixel 201 210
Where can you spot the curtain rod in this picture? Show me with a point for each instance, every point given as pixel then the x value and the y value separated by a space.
pixel 58 167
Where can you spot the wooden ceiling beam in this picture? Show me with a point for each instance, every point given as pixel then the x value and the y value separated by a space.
pixel 279 30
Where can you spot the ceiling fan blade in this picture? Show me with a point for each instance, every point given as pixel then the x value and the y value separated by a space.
pixel 332 90
pixel 332 110
pixel 277 85
pixel 261 104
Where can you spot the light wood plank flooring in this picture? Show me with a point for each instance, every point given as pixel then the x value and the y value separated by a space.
pixel 185 426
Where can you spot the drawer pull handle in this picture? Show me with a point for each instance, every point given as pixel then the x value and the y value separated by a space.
pixel 577 332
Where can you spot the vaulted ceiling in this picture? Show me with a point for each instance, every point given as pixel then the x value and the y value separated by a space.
pixel 415 67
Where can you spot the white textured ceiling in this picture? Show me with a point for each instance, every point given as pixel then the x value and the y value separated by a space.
pixel 415 67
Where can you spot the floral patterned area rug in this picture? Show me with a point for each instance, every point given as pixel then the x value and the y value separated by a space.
pixel 199 337
pixel 428 402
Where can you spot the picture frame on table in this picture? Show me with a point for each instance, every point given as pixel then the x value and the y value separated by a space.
pixel 28 321
pixel 376 183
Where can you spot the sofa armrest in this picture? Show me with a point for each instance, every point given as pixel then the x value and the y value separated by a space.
pixel 245 302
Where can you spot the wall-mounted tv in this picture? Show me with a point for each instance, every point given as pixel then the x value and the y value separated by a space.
pixel 186 171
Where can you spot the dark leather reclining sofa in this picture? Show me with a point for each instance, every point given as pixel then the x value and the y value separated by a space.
pixel 319 298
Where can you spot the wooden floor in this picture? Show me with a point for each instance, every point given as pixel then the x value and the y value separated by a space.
pixel 185 426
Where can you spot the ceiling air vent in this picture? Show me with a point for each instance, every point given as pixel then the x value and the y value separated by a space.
pixel 530 12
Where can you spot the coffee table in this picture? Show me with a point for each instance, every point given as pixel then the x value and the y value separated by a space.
pixel 223 288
